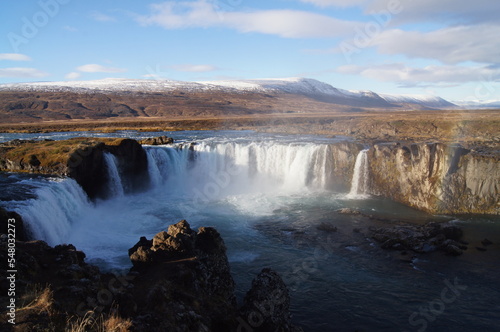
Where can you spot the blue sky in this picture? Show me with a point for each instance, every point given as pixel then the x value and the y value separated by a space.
pixel 448 48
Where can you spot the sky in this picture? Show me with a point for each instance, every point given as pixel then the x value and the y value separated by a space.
pixel 448 48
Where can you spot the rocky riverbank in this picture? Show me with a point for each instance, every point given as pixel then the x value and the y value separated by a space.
pixel 180 281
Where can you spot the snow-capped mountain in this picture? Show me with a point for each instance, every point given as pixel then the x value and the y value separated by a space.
pixel 303 86
pixel 427 100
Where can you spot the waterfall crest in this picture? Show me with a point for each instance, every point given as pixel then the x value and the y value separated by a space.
pixel 240 167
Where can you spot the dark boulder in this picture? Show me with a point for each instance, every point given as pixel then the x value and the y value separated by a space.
pixel 16 225
pixel 266 306
pixel 187 272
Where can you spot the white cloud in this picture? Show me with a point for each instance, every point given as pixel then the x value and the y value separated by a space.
pixel 194 68
pixel 98 16
pixel 411 76
pixel 22 72
pixel 478 43
pixel 14 57
pixel 95 68
pixel 73 75
pixel 284 23
pixel 335 3
pixel 458 11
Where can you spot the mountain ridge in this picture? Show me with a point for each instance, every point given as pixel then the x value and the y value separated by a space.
pixel 295 85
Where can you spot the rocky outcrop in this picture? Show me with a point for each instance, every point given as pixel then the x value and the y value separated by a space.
pixel 51 283
pixel 199 279
pixel 161 140
pixel 421 239
pixel 81 159
pixel 86 165
pixel 180 281
pixel 436 177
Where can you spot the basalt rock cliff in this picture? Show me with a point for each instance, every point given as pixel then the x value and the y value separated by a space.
pixel 436 177
pixel 81 159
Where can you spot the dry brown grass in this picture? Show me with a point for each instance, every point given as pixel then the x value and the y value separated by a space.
pixel 39 299
pixel 113 323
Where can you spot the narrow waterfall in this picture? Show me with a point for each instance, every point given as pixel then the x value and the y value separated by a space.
pixel 50 216
pixel 359 182
pixel 114 180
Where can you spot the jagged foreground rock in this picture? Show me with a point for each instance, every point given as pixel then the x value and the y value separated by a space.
pixel 180 281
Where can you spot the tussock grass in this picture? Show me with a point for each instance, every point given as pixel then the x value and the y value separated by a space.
pixel 112 323
pixel 39 299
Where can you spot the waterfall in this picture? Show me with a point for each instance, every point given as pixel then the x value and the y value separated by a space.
pixel 239 166
pixel 359 182
pixel 114 180
pixel 50 216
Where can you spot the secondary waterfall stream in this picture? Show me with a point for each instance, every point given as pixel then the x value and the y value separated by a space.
pixel 115 183
pixel 359 183
pixel 268 197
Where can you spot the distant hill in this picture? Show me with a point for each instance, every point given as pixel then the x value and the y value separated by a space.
pixel 108 98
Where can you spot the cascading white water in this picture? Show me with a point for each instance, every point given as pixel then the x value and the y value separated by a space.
pixel 51 215
pixel 212 168
pixel 359 182
pixel 115 182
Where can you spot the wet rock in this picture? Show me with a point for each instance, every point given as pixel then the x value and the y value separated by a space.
pixel 421 239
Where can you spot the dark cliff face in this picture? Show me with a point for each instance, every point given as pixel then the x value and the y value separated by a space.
pixel 81 159
pixel 88 168
pixel 133 165
pixel 436 177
